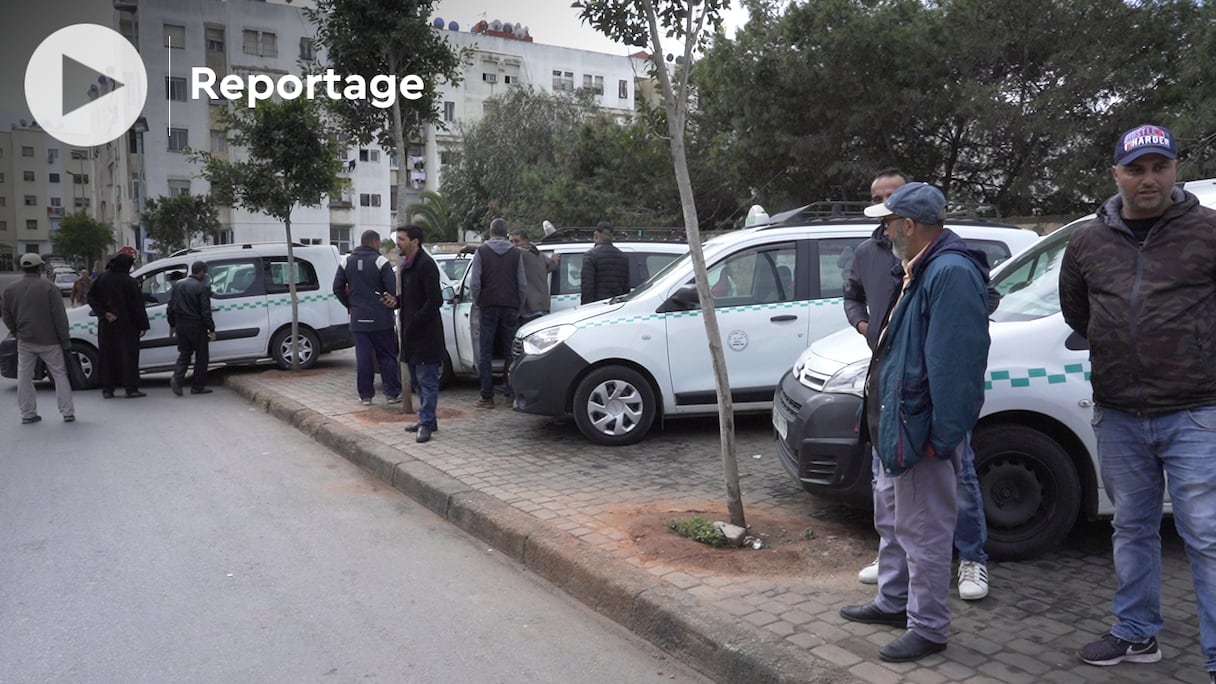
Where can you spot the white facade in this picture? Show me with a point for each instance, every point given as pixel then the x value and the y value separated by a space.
pixel 41 181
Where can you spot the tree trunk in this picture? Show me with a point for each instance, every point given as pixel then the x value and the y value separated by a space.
pixel 295 303
pixel 407 387
pixel 677 109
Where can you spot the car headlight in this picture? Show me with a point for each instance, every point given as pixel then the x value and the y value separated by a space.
pixel 543 340
pixel 849 380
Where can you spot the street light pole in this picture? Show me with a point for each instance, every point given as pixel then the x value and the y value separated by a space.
pixel 140 127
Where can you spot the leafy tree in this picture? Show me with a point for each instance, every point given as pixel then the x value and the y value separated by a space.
pixel 82 236
pixel 647 22
pixel 291 158
pixel 176 222
pixel 387 37
pixel 434 216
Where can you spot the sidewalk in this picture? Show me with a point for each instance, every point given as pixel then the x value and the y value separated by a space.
pixel 535 490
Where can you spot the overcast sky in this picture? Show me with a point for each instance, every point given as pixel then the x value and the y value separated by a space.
pixel 25 24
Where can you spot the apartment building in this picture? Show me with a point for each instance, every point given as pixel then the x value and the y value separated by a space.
pixel 41 181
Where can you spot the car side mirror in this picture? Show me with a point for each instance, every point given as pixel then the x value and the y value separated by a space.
pixel 448 294
pixel 1076 342
pixel 683 299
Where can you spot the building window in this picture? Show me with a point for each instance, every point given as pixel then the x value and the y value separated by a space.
pixel 392 198
pixel 81 203
pixel 339 236
pixel 3 225
pixel 28 175
pixel 179 187
pixel 261 43
pixel 622 89
pixel 369 155
pixel 2 177
pixel 219 143
pixel 31 200
pixel 56 202
pixel 594 83
pixel 563 80
pixel 31 224
pixel 80 178
pixel 179 139
pixel 510 80
pixel 215 40
pixel 308 51
pixel 27 151
pixel 80 154
pixel 52 155
pixel 449 111
pixel 369 200
pixel 175 86
pixel 175 36
pixel 489 78
pixel 3 201
pixel 54 178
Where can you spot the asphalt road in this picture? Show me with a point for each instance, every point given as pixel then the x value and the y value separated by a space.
pixel 199 540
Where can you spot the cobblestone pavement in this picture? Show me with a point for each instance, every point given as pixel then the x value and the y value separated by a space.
pixel 1027 630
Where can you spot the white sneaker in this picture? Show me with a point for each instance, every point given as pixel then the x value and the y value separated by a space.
pixel 972 580
pixel 869 574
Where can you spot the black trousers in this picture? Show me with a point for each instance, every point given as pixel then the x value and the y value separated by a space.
pixel 118 351
pixel 191 342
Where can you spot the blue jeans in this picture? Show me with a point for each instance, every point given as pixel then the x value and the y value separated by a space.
pixel 380 345
pixel 426 377
pixel 1140 456
pixel 971 528
pixel 498 323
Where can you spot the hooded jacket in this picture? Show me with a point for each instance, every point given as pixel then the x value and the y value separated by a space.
pixel 925 385
pixel 362 277
pixel 1148 310
pixel 496 276
pixel 117 292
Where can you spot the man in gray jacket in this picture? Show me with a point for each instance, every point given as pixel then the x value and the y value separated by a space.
pixel 537 268
pixel 33 310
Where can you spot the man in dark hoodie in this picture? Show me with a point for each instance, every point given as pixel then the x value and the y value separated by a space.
pixel 870 286
pixel 121 320
pixel 363 278
pixel 924 391
pixel 499 286
pixel 1139 282
pixel 537 268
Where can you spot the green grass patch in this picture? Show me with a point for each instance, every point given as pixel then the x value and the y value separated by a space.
pixel 698 529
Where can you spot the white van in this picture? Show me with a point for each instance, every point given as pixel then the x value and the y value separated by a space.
pixel 1035 451
pixel 250 303
pixel 622 364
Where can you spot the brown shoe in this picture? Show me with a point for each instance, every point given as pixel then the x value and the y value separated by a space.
pixel 485 402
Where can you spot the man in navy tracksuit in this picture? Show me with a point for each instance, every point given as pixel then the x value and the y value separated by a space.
pixel 363 278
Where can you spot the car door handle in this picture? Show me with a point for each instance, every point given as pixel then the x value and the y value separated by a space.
pixel 784 317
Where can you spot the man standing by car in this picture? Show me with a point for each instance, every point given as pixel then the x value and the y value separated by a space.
pixel 360 283
pixel 421 326
pixel 1139 282
pixel 537 269
pixel 924 391
pixel 605 270
pixel 33 310
pixel 189 316
pixel 499 286
pixel 121 320
pixel 870 284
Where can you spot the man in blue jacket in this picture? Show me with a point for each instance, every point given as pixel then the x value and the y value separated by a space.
pixel 923 394
pixel 363 278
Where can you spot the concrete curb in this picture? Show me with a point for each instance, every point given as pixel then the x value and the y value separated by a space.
pixel 715 644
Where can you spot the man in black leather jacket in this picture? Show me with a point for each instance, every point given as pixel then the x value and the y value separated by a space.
pixel 189 314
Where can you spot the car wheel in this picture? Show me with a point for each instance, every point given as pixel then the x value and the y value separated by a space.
pixel 281 348
pixel 614 406
pixel 88 364
pixel 1031 490
pixel 446 373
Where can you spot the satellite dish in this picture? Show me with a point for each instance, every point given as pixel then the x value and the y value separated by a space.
pixel 438 22
pixel 526 32
pixel 496 25
pixel 508 28
pixel 453 26
pixel 24 123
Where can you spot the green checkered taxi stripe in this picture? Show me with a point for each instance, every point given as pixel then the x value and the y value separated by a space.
pixel 218 305
pixel 723 311
pixel 1073 372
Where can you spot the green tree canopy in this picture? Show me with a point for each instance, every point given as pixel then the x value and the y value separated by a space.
pixel 175 222
pixel 80 235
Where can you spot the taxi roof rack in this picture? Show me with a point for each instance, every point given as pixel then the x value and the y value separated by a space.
pixel 621 234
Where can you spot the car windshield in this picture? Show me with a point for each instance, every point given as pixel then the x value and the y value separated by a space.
pixel 658 275
pixel 1029 284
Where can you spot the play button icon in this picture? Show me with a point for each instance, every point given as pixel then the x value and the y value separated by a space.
pixel 85 85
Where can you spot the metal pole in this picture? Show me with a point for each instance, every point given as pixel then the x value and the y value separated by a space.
pixel 143 190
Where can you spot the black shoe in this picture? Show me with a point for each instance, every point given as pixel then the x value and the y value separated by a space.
pixel 31 419
pixel 205 390
pixel 107 395
pixel 414 428
pixel 176 387
pixel 871 615
pixel 909 646
pixel 1111 650
pixel 424 434
pixel 136 394
pixel 69 419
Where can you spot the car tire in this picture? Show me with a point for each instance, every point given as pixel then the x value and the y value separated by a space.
pixel 1032 493
pixel 614 406
pixel 88 363
pixel 280 347
pixel 446 373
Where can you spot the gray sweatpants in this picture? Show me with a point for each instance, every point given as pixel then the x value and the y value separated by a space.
pixel 27 397
pixel 914 514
